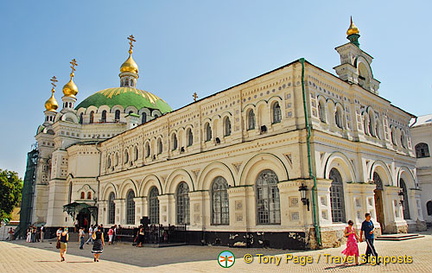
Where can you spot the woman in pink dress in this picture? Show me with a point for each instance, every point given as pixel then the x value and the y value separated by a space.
pixel 352 238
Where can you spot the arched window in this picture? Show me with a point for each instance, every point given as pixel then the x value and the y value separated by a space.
pixel 208 132
pixel 277 113
pixel 159 146
pixel 378 182
pixel 338 117
pixel 227 126
pixel 182 204
pixel 153 206
pixel 136 153
pixel 174 142
pixel 267 195
pixel 111 208
pixel 109 161
pixel 116 159
pixel 403 139
pixel 322 111
pixel 429 207
pixel 91 117
pixel 126 156
pixel 143 117
pixel 70 193
pixel 117 115
pixel 189 137
pixel 81 120
pixel 251 119
pixel 422 150
pixel 82 195
pixel 220 204
pixel 393 135
pixel 130 208
pixel 337 197
pixel 147 148
pixel 372 123
pixel 89 195
pixel 405 207
pixel 104 116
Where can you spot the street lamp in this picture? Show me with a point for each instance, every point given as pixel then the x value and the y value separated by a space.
pixel 303 189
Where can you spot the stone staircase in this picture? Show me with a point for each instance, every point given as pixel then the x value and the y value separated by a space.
pixel 399 237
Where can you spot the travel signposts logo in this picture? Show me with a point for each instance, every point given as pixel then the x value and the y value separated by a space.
pixel 226 259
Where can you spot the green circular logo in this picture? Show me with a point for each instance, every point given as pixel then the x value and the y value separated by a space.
pixel 226 259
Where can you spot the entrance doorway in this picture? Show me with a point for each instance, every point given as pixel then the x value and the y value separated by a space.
pixel 84 218
pixel 378 196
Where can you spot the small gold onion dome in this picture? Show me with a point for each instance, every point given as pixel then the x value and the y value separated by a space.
pixel 51 104
pixel 129 65
pixel 70 89
pixel 353 29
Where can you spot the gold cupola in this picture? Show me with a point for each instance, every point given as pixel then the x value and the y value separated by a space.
pixel 353 29
pixel 70 89
pixel 51 104
pixel 130 65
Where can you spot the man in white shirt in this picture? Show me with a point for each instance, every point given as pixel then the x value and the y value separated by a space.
pixel 90 232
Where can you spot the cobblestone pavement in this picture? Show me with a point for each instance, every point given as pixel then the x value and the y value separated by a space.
pixel 19 256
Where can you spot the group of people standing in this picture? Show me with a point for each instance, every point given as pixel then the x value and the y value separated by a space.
pixel 96 236
pixel 35 234
pixel 367 229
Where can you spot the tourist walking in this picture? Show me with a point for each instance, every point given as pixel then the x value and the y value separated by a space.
pixel 90 233
pixel 110 235
pixel 28 239
pixel 81 235
pixel 64 238
pixel 351 245
pixel 42 233
pixel 140 237
pixel 98 244
pixel 368 230
pixel 11 234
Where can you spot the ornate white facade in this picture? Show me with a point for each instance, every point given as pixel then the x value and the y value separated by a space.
pixel 422 139
pixel 233 163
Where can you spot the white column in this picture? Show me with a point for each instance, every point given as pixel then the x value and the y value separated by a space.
pixel 120 215
pixel 139 209
pixel 197 214
pixel 167 209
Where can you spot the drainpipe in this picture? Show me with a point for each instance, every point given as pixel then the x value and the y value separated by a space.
pixel 310 158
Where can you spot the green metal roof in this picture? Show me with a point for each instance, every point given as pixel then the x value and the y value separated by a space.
pixel 125 96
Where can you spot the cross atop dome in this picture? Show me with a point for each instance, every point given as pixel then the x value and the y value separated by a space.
pixel 129 69
pixel 131 39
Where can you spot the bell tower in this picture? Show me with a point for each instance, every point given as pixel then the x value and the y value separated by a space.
pixel 355 64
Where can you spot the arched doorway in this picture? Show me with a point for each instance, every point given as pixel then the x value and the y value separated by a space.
pixel 378 196
pixel 84 218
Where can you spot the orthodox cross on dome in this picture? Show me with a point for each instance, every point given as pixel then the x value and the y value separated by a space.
pixel 132 40
pixel 73 64
pixel 53 82
pixel 195 96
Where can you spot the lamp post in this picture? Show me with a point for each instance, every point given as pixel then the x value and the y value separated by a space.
pixel 303 189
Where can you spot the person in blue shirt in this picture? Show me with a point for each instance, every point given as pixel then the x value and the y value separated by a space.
pixel 368 229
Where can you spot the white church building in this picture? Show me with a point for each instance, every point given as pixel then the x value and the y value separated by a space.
pixel 282 160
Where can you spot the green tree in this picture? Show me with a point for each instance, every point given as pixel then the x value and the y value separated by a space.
pixel 10 192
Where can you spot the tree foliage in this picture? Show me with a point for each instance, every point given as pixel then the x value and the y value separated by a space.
pixel 10 192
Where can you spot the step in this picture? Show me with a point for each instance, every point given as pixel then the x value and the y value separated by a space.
pixel 398 237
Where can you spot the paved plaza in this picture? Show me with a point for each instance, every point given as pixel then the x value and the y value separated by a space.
pixel 20 256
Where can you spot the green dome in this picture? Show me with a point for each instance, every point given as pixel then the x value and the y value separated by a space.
pixel 125 96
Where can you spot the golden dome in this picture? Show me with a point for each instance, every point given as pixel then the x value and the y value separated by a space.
pixel 70 89
pixel 353 29
pixel 129 65
pixel 51 104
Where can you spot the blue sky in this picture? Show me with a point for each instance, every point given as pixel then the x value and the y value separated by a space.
pixel 195 46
